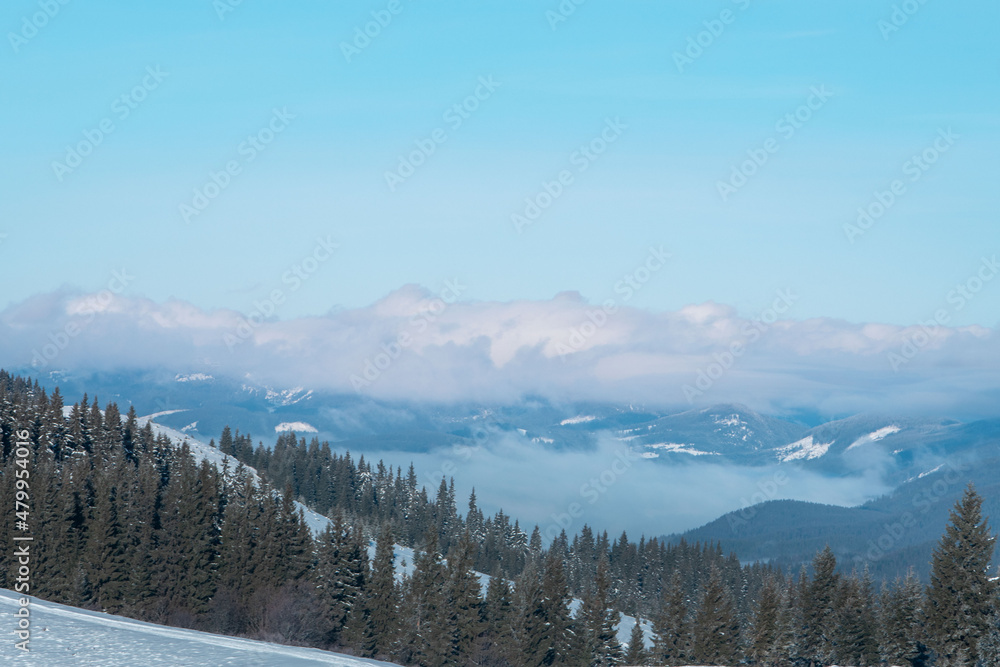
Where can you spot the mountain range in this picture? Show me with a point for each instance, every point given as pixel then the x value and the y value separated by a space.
pixel 921 464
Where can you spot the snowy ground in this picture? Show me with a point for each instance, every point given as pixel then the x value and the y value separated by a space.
pixel 65 636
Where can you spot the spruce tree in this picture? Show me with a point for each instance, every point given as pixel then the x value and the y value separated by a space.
pixel 105 554
pixel 855 642
pixel 765 633
pixel 819 609
pixel 900 622
pixel 636 653
pixel 716 629
pixel 595 636
pixel 341 561
pixel 670 626
pixel 546 638
pixel 382 600
pixel 961 594
pixel 430 637
pixel 499 625
pixel 464 603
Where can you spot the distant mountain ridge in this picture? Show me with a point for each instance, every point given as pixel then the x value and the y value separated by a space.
pixel 200 403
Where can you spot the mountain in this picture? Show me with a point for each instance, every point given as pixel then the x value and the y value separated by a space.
pixel 734 433
pixel 888 535
pixel 200 404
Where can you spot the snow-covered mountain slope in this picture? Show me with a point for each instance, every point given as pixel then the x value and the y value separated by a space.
pixel 733 432
pixel 62 636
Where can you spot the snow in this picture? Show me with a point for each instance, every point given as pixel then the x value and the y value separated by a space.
pixel 929 472
pixel 582 419
pixel 193 377
pixel 68 410
pixel 874 436
pixel 109 641
pixel 625 625
pixel 298 427
pixel 204 452
pixel 732 420
pixel 805 448
pixel 62 635
pixel 681 449
pixel 287 397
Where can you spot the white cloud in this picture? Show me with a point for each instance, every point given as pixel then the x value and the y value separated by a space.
pixel 501 351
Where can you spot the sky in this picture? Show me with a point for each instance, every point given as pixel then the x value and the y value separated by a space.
pixel 214 152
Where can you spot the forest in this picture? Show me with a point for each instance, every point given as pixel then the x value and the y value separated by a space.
pixel 128 522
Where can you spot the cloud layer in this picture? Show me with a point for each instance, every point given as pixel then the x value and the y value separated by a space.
pixel 413 344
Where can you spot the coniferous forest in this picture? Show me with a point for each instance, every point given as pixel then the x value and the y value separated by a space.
pixel 129 523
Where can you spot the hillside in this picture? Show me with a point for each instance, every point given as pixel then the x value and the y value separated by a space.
pixel 888 535
pixel 64 635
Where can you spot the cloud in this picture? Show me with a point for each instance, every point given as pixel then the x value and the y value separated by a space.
pixel 414 344
pixel 611 488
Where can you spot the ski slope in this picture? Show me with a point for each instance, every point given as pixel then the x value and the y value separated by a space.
pixel 66 636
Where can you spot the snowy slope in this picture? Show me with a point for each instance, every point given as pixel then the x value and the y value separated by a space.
pixel 64 636
pixel 202 451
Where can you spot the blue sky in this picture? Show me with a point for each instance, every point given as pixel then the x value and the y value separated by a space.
pixel 656 184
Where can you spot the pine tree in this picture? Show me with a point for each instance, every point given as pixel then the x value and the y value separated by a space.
pixel 545 637
pixel 819 609
pixel 855 642
pixel 670 627
pixel 464 604
pixel 341 561
pixel 595 636
pixel 960 595
pixel 989 644
pixel 498 615
pixel 430 638
pixel 636 653
pixel 900 622
pixel 765 634
pixel 716 629
pixel 381 600
pixel 105 555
